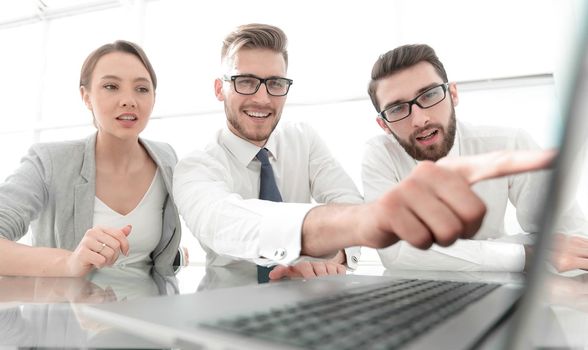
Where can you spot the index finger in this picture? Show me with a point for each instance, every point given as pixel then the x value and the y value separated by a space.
pixel 496 164
pixel 121 238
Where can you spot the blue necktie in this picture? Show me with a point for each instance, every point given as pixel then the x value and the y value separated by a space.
pixel 268 190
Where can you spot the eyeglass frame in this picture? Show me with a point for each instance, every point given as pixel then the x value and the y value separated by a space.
pixel 233 79
pixel 415 102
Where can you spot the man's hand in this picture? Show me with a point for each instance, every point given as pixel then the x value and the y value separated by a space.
pixel 434 204
pixel 569 253
pixel 307 269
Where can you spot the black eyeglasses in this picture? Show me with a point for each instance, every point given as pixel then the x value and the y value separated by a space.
pixel 249 84
pixel 425 100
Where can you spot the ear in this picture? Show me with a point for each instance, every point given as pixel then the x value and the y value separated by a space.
pixel 382 123
pixel 218 89
pixel 453 93
pixel 85 97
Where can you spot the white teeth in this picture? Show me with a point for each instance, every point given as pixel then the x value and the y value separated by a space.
pixel 258 114
pixel 126 117
pixel 427 136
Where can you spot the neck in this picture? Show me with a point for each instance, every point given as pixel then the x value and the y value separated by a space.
pixel 118 155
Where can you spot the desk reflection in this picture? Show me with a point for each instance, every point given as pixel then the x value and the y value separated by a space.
pixel 44 312
pixel 566 306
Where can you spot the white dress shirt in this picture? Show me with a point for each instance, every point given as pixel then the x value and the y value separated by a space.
pixel 385 163
pixel 217 195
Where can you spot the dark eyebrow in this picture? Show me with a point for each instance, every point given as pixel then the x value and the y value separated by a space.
pixel 419 91
pixel 114 77
pixel 255 76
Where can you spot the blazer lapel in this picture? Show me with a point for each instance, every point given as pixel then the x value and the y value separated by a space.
pixel 168 212
pixel 85 192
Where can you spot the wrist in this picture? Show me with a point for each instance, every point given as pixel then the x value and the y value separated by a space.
pixel 329 228
pixel 340 257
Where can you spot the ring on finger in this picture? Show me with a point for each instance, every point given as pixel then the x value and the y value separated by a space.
pixel 101 247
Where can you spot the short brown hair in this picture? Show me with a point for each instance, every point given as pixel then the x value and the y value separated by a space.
pixel 401 58
pixel 117 46
pixel 255 36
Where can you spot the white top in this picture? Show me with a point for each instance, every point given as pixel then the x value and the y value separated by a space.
pixel 385 163
pixel 146 219
pixel 217 191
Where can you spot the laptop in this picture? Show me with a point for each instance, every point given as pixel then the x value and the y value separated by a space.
pixel 366 312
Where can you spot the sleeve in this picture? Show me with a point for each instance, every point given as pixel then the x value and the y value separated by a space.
pixel 264 232
pixel 23 195
pixel 377 171
pixel 463 255
pixel 331 184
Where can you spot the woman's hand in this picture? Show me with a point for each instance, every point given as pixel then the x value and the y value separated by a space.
pixel 98 248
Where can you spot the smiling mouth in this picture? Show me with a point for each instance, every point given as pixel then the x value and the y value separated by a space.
pixel 126 117
pixel 427 136
pixel 258 115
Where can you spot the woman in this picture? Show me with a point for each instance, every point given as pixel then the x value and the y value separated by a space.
pixel 90 200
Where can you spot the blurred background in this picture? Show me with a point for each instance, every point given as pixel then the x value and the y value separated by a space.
pixel 508 57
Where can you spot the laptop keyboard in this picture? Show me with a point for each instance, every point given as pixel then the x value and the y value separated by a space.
pixel 380 316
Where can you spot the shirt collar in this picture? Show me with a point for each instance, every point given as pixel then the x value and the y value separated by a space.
pixel 244 150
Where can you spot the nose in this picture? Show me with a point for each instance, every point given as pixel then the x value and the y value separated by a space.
pixel 128 101
pixel 261 95
pixel 419 116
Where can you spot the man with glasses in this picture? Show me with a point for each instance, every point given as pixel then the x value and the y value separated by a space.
pixel 415 104
pixel 247 197
pixel 220 189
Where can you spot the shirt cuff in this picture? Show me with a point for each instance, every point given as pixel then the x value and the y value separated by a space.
pixel 506 256
pixel 280 238
pixel 352 255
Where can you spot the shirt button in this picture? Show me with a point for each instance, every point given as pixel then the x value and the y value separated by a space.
pixel 354 259
pixel 280 253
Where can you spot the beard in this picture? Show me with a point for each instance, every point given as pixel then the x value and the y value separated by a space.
pixel 255 135
pixel 432 152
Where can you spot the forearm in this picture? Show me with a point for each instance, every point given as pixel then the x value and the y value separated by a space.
pixel 21 260
pixel 329 228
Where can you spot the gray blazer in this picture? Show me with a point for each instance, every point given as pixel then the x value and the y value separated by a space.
pixel 53 190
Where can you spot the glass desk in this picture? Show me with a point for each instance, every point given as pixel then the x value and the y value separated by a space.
pixel 46 312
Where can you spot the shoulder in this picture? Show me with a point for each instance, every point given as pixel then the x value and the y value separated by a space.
pixel 164 151
pixel 62 151
pixel 483 138
pixel 294 129
pixel 383 144
pixel 382 140
pixel 485 131
pixel 212 155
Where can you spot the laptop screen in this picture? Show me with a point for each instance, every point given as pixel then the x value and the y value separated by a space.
pixel 573 129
